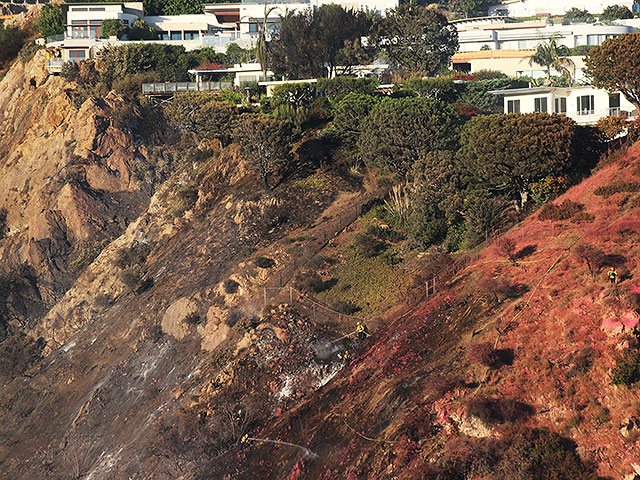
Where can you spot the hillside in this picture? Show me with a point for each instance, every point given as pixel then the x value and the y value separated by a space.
pixel 418 403
pixel 157 324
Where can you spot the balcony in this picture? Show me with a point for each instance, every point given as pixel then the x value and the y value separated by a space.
pixel 171 88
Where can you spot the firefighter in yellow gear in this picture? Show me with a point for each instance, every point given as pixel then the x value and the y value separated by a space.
pixel 362 331
pixel 613 275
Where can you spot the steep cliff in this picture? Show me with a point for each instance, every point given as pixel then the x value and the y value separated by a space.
pixel 67 181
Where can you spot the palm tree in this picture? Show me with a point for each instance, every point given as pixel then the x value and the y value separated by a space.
pixel 262 47
pixel 553 56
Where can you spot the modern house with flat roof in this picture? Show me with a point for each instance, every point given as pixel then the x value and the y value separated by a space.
pixel 503 33
pixel 218 25
pixel 586 104
pixel 529 8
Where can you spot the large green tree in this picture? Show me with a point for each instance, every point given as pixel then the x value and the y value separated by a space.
pixel 11 40
pixel 417 39
pixel 615 66
pixel 50 22
pixel 181 7
pixel 506 154
pixel 398 132
pixel 311 44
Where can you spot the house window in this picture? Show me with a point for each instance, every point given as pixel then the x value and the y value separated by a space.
pixel 540 104
pixel 79 9
pixel 253 27
pixel 94 28
pixel 96 9
pixel 513 106
pixel 522 44
pixel 176 35
pixel 614 104
pixel 79 29
pixel 561 105
pixel 191 35
pixel 585 105
pixel 595 39
pixel 76 55
pixel 164 36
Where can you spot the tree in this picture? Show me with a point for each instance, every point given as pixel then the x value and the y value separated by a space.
pixel 182 7
pixel 236 54
pixel 469 7
pixel 335 27
pixel 506 154
pixel 575 15
pixel 615 12
pixel 337 88
pixel 262 47
pixel 551 55
pixel 50 22
pixel 11 40
pixel 615 66
pixel 265 143
pixel 294 47
pixel 203 115
pixel 435 194
pixel 141 30
pixel 111 27
pixel 417 39
pixel 311 44
pixel 477 94
pixel 350 112
pixel 398 132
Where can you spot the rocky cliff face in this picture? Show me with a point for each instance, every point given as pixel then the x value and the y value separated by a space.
pixel 141 309
pixel 66 179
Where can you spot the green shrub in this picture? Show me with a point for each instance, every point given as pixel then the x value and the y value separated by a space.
pixel 368 246
pixel 439 88
pixel 618 187
pixel 563 211
pixel 141 30
pixel 264 262
pixel 230 286
pixel 295 94
pixel 311 282
pixel 385 233
pixel 28 52
pixel 627 368
pixel 499 410
pixel 111 27
pixel 337 88
pixel 135 255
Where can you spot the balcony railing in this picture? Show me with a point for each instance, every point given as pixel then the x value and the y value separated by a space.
pixel 165 88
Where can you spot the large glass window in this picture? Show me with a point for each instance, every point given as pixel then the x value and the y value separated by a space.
pixel 585 105
pixel 164 36
pixel 76 55
pixel 561 105
pixel 176 35
pixel 513 106
pixel 540 104
pixel 191 35
pixel 614 104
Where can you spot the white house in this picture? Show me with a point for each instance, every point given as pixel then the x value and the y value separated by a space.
pixel 528 8
pixel 586 105
pixel 503 33
pixel 218 25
